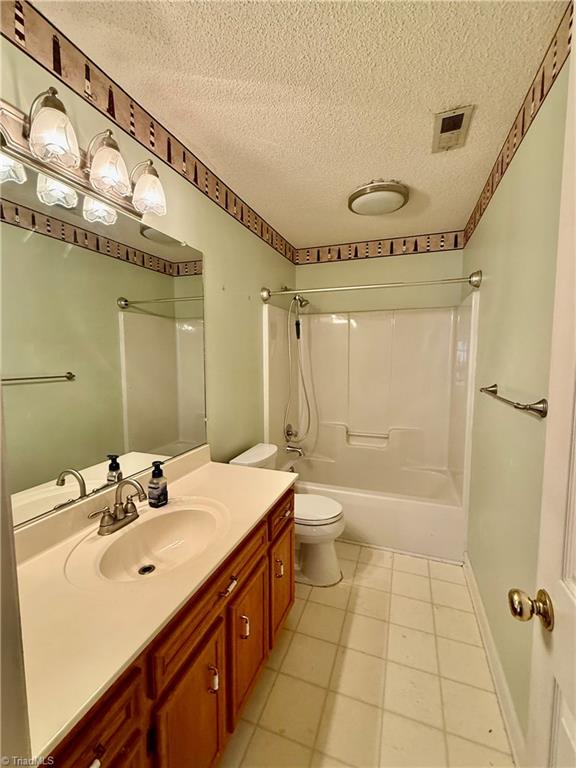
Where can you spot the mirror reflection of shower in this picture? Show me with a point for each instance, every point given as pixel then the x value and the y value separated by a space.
pixel 295 434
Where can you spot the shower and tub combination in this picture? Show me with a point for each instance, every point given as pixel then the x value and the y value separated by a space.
pixel 379 400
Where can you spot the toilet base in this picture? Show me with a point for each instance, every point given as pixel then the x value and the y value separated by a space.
pixel 317 565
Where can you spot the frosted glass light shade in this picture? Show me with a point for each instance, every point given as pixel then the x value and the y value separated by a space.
pixel 108 172
pixel 94 210
pixel 52 192
pixel 11 170
pixel 378 197
pixel 148 196
pixel 52 138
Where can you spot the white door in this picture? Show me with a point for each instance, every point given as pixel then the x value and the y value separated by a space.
pixel 551 738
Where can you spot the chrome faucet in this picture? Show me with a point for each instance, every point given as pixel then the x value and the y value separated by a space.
pixel 61 480
pixel 123 513
pixel 294 449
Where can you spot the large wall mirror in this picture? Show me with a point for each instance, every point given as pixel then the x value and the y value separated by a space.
pixel 102 348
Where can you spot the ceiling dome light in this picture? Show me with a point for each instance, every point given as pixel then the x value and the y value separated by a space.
pixel 52 137
pixel 378 197
pixel 11 170
pixel 52 192
pixel 148 195
pixel 94 210
pixel 107 170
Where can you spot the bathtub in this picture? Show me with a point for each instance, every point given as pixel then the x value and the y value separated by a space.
pixel 426 517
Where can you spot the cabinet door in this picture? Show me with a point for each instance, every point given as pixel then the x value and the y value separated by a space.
pixel 248 627
pixel 281 580
pixel 190 722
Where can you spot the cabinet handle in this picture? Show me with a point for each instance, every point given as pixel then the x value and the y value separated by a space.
pixel 280 573
pixel 230 588
pixel 288 512
pixel 214 688
pixel 246 621
pixel 95 764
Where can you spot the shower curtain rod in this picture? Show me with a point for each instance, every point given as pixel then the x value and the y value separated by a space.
pixel 123 302
pixel 474 280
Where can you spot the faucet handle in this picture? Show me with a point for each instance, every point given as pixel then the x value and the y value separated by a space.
pixel 107 516
pixel 130 507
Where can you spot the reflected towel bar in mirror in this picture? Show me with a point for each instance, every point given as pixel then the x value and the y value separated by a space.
pixel 68 376
pixel 123 302
pixel 539 408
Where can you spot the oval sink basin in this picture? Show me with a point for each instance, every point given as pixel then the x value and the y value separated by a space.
pixel 154 544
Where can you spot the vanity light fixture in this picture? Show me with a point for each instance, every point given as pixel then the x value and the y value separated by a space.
pixel 96 211
pixel 51 135
pixel 106 168
pixel 378 197
pixel 53 192
pixel 11 170
pixel 148 195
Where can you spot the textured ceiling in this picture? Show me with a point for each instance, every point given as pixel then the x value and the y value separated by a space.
pixel 293 104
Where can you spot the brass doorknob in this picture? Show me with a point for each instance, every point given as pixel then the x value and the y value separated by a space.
pixel 523 607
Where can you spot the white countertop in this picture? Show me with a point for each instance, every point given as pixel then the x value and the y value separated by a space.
pixel 77 641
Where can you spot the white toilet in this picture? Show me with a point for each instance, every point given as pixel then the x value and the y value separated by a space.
pixel 319 521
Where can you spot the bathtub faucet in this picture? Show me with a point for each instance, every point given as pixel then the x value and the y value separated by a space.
pixel 294 449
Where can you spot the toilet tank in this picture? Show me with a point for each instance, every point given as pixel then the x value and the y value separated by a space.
pixel 262 455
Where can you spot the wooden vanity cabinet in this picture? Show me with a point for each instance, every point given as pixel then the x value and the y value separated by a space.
pixel 248 639
pixel 190 720
pixel 178 702
pixel 113 733
pixel 281 580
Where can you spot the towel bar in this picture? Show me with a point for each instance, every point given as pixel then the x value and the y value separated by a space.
pixel 539 408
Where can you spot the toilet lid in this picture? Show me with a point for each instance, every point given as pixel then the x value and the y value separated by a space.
pixel 310 509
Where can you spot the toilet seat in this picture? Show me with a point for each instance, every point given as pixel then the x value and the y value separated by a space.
pixel 311 509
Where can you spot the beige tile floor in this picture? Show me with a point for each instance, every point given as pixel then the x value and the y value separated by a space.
pixel 387 669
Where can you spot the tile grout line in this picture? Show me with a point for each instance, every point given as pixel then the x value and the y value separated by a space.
pixel 441 692
pixel 386 664
pixel 333 666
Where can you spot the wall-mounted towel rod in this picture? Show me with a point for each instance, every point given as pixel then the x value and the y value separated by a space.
pixel 68 376
pixel 539 408
pixel 123 302
pixel 474 279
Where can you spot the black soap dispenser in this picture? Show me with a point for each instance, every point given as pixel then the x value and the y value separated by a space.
pixel 114 471
pixel 158 486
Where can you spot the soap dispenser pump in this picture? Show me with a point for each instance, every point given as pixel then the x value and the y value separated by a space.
pixel 114 471
pixel 158 486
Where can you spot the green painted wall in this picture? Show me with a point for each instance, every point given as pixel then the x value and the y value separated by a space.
pixel 236 265
pixel 427 266
pixel 515 246
pixel 59 313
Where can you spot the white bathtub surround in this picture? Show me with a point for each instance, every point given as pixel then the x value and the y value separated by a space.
pixel 368 675
pixel 162 364
pixel 91 635
pixel 392 399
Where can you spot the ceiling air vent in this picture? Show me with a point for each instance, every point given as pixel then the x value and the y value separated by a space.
pixel 451 128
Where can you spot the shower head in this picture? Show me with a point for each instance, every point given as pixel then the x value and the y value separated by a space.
pixel 302 302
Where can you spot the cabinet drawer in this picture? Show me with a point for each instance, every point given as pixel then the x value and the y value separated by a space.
pixel 111 728
pixel 182 635
pixel 283 511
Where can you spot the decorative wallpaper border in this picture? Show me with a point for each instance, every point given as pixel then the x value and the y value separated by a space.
pixel 370 249
pixel 556 55
pixel 26 218
pixel 30 31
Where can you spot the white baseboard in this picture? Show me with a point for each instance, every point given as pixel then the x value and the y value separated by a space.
pixel 511 722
